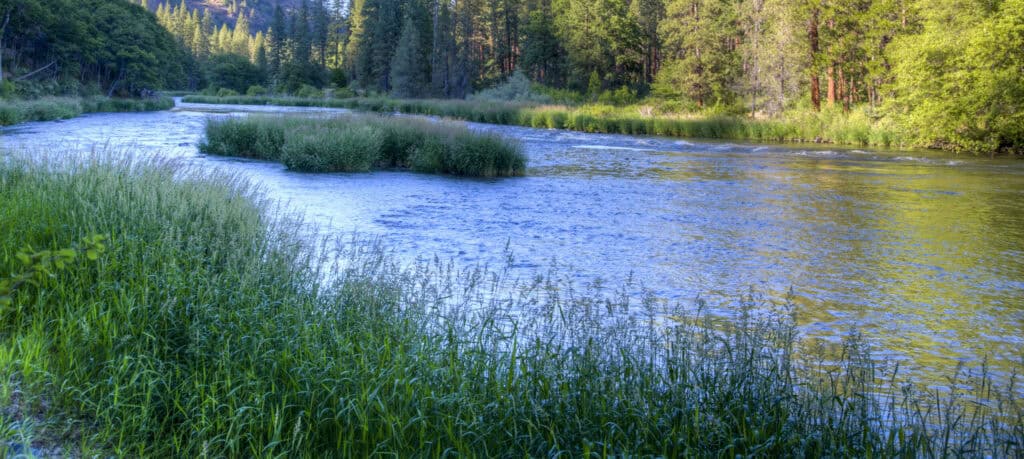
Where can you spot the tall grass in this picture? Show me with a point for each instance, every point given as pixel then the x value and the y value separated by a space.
pixel 207 327
pixel 16 111
pixel 362 143
pixel 829 126
pixel 45 109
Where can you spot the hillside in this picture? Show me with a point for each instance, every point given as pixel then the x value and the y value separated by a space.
pixel 261 12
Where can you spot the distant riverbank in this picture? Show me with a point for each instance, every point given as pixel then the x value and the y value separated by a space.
pixel 833 126
pixel 14 111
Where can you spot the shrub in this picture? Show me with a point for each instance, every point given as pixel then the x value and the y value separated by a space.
pixel 256 90
pixel 618 97
pixel 307 91
pixel 517 88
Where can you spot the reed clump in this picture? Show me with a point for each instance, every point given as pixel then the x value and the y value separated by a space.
pixel 363 143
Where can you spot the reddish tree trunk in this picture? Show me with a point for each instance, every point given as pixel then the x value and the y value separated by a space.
pixel 812 38
pixel 831 77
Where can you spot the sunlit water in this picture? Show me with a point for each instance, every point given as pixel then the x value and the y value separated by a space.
pixel 921 251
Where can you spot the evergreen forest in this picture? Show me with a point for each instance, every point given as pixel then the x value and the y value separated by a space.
pixel 948 71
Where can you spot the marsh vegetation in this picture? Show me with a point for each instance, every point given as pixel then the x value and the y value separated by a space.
pixel 363 143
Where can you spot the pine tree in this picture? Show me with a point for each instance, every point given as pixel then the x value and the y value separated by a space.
pixel 277 43
pixel 542 53
pixel 442 50
pixel 701 63
pixel 407 73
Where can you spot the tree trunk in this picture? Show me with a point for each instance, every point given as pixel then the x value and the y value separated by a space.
pixel 3 32
pixel 831 79
pixel 812 36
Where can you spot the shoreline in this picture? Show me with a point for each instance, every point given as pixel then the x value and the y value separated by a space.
pixel 18 111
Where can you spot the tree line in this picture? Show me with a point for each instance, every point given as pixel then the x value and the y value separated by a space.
pixel 951 68
pixel 948 70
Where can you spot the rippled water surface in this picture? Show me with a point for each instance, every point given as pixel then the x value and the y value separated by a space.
pixel 923 252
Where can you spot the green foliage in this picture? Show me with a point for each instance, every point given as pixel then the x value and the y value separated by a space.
pixel 7 89
pixel 959 82
pixel 859 127
pixel 14 111
pixel 339 78
pixel 307 91
pixel 408 75
pixel 594 85
pixel 362 143
pixel 234 72
pixel 622 96
pixel 114 104
pixel 348 147
pixel 256 90
pixel 542 54
pixel 258 137
pixel 38 266
pixel 517 88
pixel 700 63
pixel 116 45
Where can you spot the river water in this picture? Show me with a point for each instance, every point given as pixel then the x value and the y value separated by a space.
pixel 921 251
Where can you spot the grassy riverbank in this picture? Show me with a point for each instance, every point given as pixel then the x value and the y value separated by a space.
pixel 184 319
pixel 14 111
pixel 832 126
pixel 362 143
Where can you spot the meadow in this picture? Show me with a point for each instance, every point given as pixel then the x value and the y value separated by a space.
pixel 148 309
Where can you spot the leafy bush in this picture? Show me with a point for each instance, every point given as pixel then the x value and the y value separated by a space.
pixel 256 90
pixel 232 72
pixel 517 88
pixel 308 91
pixel 618 97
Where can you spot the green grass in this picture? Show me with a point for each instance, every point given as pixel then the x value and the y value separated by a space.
pixel 829 126
pixel 206 326
pixel 363 143
pixel 45 109
pixel 16 111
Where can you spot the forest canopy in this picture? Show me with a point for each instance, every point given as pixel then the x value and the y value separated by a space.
pixel 112 47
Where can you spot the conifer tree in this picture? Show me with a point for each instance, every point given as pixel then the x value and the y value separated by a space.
pixel 407 73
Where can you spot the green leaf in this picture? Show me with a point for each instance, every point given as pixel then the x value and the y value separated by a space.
pixel 92 254
pixel 25 259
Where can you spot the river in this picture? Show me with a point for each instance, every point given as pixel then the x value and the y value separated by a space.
pixel 921 251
